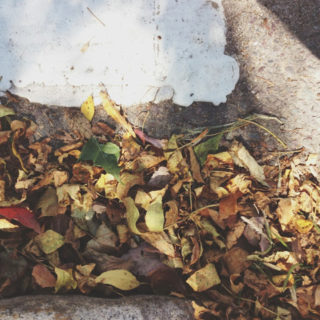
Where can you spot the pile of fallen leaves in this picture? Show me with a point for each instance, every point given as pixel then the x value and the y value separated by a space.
pixel 129 214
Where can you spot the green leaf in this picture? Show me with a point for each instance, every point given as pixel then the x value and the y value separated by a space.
pixel 105 156
pixel 5 111
pixel 121 279
pixel 208 147
pixel 154 216
pixel 49 241
pixel 111 148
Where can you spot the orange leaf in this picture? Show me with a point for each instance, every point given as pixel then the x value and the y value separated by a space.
pixel 228 206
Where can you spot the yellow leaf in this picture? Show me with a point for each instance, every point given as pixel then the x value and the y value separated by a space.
pixel 154 216
pixel 121 279
pixel 87 108
pixel 108 184
pixel 279 280
pixel 303 225
pixel 143 199
pixel 86 269
pixel 132 215
pixel 110 108
pixel 204 278
pixel 49 241
pixel 5 111
pixel 64 279
pixel 174 156
pixel 15 152
pixel 5 224
pixel 67 191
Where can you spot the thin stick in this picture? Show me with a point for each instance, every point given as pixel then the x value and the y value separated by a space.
pixel 214 205
pixel 267 130
pixel 96 16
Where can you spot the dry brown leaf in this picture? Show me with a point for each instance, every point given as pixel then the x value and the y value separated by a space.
pixel 201 312
pixel 172 214
pixel 18 125
pixel 147 161
pixel 197 251
pixel 67 148
pixel 100 128
pixel 228 206
pixel 43 149
pixel 283 259
pixel 165 280
pixel 306 301
pixel 48 203
pixel 217 178
pixel 4 136
pixel 123 233
pixel 105 240
pixel 286 212
pixel 240 182
pixel 234 234
pixel 194 166
pixel 222 160
pixel 260 284
pixel 242 158
pixel 43 277
pixel 105 262
pixel 236 260
pixel 161 241
pixel 128 180
pixel 236 288
pixel 82 173
pixel 84 279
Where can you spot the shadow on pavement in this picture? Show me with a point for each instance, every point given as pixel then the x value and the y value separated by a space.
pixel 302 17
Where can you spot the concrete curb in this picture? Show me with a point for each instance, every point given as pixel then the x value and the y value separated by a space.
pixel 68 307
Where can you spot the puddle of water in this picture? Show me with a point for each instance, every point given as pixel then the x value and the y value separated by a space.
pixel 59 52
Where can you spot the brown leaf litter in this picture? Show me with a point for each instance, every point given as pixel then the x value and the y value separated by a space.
pixel 238 237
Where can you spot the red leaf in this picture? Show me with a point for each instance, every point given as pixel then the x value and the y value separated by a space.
pixel 140 134
pixel 143 137
pixel 22 215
